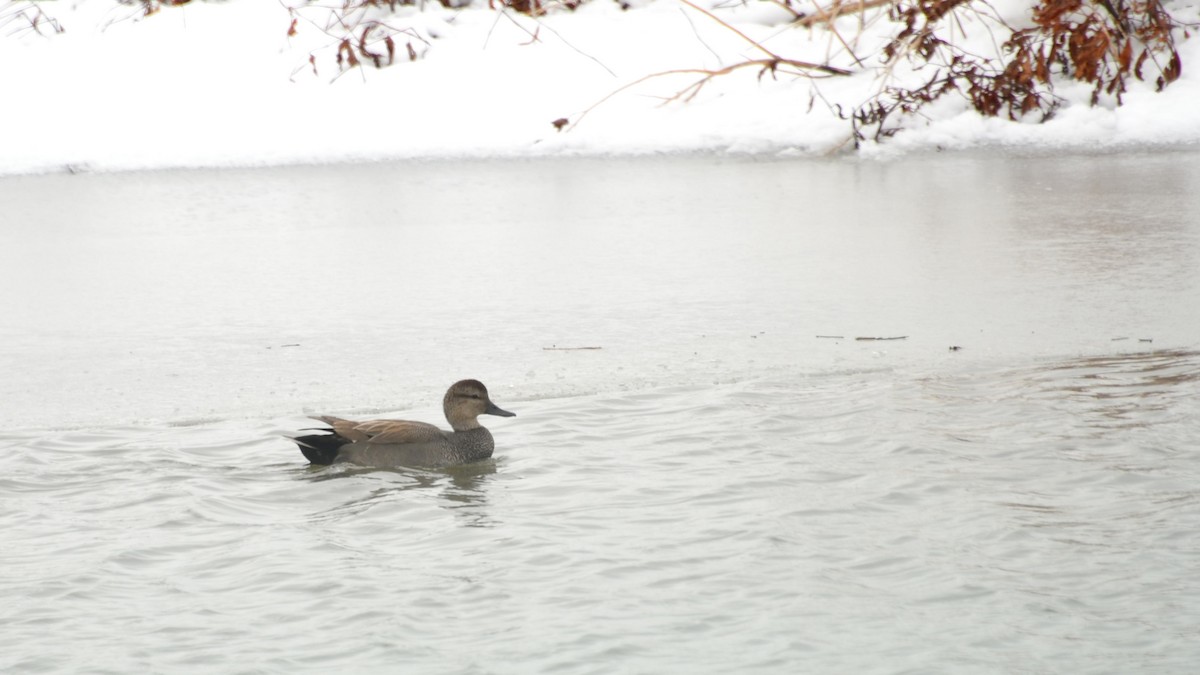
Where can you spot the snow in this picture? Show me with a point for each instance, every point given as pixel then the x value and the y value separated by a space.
pixel 213 84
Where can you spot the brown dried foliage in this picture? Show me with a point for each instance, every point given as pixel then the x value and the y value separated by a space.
pixel 354 50
pixel 151 6
pixel 534 7
pixel 1097 42
pixel 1093 41
pixel 530 7
pixel 1101 42
pixel 357 37
pixel 991 88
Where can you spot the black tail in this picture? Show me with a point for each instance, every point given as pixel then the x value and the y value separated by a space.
pixel 320 448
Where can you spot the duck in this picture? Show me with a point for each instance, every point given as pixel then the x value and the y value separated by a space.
pixel 393 443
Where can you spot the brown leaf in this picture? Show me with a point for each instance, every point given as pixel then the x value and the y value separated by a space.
pixel 1174 68
pixel 1137 68
pixel 1126 56
pixel 1043 67
pixel 348 51
pixel 376 59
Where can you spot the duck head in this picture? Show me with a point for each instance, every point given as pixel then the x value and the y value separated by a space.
pixel 465 401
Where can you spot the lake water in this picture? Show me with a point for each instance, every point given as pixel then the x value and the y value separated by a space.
pixel 731 482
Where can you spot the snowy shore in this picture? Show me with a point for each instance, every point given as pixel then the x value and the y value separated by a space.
pixel 224 84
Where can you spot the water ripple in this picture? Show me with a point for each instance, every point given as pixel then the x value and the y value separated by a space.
pixel 1037 518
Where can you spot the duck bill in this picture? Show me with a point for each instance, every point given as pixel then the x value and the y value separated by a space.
pixel 494 409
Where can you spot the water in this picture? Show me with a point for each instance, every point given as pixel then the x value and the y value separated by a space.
pixel 716 489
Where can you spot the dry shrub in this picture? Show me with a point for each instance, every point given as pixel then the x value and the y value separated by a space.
pixel 992 87
pixel 536 7
pixel 151 6
pixel 1101 42
pixel 1104 44
pixel 18 17
pixel 1094 41
pixel 530 7
pixel 359 32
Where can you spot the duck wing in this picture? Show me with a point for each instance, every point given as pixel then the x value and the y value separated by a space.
pixel 383 431
pixel 400 432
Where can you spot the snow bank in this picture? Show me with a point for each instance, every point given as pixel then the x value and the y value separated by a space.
pixel 224 84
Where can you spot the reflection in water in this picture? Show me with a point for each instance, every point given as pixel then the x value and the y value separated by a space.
pixel 463 488
pixel 1092 404
pixel 466 492
pixel 1121 391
